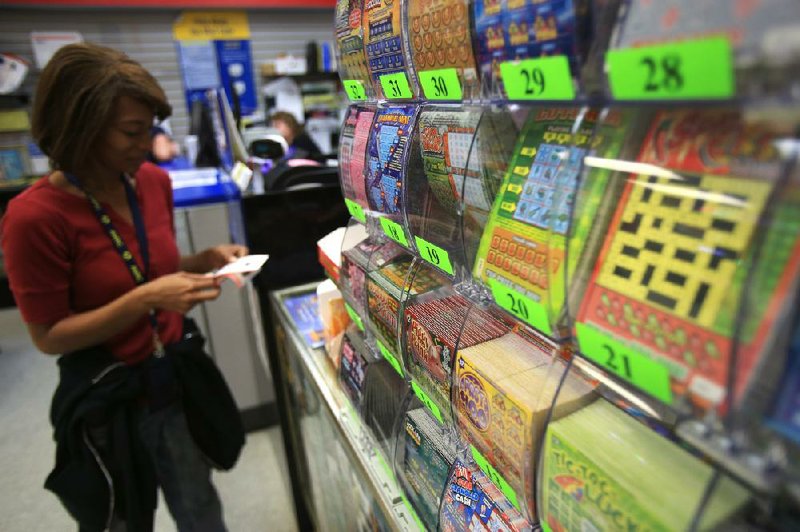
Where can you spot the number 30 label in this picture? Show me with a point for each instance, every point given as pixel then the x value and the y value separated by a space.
pixel 696 69
pixel 441 84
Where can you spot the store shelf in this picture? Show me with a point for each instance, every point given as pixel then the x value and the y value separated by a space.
pixel 362 448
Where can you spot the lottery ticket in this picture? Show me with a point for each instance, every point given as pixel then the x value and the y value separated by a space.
pixel 352 152
pixel 750 25
pixel 524 242
pixel 350 40
pixel 440 37
pixel 671 273
pixel 353 366
pixel 386 157
pixel 385 43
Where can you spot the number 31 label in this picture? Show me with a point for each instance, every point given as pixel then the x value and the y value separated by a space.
pixel 697 69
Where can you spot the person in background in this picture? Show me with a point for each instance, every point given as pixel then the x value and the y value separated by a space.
pixel 164 149
pixel 93 264
pixel 301 146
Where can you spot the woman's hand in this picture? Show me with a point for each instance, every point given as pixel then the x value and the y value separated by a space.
pixel 180 291
pixel 213 258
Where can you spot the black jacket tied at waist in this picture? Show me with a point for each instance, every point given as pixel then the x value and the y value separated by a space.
pixel 95 389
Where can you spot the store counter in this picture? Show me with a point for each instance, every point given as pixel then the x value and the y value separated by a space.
pixel 340 478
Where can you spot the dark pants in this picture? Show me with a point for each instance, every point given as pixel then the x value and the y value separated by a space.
pixel 183 473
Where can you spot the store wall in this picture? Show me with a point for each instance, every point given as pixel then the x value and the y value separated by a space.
pixel 146 35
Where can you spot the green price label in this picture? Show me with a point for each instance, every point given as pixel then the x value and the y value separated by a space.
pixel 395 86
pixel 390 357
pixel 414 516
pixel 545 526
pixel 696 69
pixel 394 231
pixel 356 210
pixel 546 78
pixel 625 362
pixel 496 478
pixel 526 309
pixel 384 465
pixel 441 84
pixel 434 254
pixel 353 316
pixel 425 400
pixel 355 90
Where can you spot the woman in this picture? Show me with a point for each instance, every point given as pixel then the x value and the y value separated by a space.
pixel 301 146
pixel 94 267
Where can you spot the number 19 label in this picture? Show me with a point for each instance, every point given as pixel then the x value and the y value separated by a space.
pixel 434 254
pixel 697 69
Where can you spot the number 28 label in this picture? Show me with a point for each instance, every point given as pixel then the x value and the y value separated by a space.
pixel 695 69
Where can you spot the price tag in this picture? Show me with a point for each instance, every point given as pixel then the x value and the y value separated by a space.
pixel 526 309
pixel 356 210
pixel 545 526
pixel 394 231
pixel 495 477
pixel 353 316
pixel 384 465
pixel 623 361
pixel 434 254
pixel 696 69
pixel 425 400
pixel 413 514
pixel 355 90
pixel 396 87
pixel 545 78
pixel 390 357
pixel 441 84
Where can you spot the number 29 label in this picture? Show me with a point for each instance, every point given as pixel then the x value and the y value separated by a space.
pixel 545 78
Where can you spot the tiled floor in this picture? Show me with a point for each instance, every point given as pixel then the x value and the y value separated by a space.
pixel 256 493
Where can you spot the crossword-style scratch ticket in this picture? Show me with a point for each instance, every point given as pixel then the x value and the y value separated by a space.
pixel 350 40
pixel 670 277
pixel 386 154
pixel 523 243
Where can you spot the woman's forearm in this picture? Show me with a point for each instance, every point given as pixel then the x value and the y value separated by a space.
pixel 93 327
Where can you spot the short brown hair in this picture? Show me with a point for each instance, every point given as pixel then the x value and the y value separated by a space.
pixel 289 120
pixel 76 95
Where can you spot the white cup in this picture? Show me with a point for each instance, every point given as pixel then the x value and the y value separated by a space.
pixel 190 147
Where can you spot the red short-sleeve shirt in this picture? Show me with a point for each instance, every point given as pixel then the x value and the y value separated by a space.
pixel 60 261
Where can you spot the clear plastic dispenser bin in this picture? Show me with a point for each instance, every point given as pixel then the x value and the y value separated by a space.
pixel 663 292
pixel 472 502
pixel 717 50
pixel 424 455
pixel 355 361
pixel 501 402
pixel 541 50
pixel 352 158
pixel 357 249
pixel 388 53
pixel 522 257
pixel 385 393
pixel 441 49
pixel 608 463
pixel 436 186
pixel 388 287
pixel 350 50
pixel 387 169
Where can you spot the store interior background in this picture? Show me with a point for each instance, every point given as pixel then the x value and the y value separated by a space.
pixel 258 490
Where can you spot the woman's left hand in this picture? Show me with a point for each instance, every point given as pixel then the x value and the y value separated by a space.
pixel 219 256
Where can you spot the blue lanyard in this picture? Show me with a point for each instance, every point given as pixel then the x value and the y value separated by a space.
pixel 119 244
